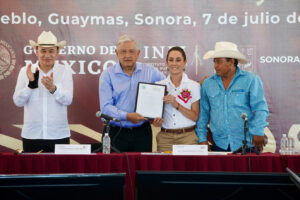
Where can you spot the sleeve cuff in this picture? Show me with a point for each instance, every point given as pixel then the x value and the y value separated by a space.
pixel 123 115
pixel 202 139
pixel 258 131
pixel 202 136
pixel 56 92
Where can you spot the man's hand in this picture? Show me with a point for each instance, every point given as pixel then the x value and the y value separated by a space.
pixel 135 117
pixel 29 73
pixel 259 142
pixel 33 77
pixel 48 82
pixel 206 143
pixel 157 122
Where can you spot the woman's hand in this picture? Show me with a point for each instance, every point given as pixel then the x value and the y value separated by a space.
pixel 170 99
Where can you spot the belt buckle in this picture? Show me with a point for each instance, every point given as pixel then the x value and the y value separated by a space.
pixel 178 131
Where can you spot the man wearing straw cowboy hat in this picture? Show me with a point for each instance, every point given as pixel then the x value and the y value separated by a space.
pixel 226 95
pixel 45 90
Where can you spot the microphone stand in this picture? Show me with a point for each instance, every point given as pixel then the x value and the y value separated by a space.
pixel 107 130
pixel 243 148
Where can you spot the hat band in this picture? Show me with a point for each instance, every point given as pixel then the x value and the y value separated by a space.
pixel 47 44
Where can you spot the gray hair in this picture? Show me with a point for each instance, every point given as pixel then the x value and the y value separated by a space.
pixel 126 38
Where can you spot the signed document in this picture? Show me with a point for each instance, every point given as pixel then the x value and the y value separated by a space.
pixel 149 100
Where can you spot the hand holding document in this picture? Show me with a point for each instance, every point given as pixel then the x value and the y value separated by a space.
pixel 149 100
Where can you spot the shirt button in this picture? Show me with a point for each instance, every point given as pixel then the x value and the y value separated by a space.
pixel 175 89
pixel 173 115
pixel 174 123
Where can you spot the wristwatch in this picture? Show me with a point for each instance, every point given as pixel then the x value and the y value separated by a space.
pixel 52 92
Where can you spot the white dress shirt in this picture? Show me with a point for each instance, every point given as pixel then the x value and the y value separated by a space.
pixel 174 119
pixel 45 114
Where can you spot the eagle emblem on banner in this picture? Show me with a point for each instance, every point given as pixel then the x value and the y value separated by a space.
pixel 7 59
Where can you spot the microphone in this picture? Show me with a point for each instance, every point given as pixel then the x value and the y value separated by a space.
pixel 244 116
pixel 106 117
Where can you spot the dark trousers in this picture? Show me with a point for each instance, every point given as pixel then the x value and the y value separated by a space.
pixel 217 148
pixel 138 139
pixel 35 145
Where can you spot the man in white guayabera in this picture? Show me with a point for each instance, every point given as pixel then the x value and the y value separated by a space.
pixel 45 90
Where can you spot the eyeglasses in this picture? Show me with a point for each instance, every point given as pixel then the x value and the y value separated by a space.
pixel 124 52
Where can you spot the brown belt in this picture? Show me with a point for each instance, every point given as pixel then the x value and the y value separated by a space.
pixel 179 130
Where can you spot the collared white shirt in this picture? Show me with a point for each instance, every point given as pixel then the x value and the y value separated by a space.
pixel 45 114
pixel 186 94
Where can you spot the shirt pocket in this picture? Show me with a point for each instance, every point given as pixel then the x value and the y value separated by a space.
pixel 213 96
pixel 239 98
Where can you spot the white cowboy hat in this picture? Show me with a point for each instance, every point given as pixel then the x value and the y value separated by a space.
pixel 226 50
pixel 47 39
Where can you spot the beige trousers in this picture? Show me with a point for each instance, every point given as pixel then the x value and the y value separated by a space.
pixel 165 140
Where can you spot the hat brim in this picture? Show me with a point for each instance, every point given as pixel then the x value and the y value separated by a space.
pixel 226 54
pixel 59 44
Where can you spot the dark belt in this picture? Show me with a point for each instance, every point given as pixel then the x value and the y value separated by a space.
pixel 179 130
pixel 129 128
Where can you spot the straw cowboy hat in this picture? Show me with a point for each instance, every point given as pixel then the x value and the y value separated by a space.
pixel 226 50
pixel 47 39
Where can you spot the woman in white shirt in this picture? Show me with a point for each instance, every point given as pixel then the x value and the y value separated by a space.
pixel 181 105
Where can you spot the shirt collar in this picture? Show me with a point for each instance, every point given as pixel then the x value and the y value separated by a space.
pixel 238 72
pixel 185 78
pixel 51 70
pixel 119 70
